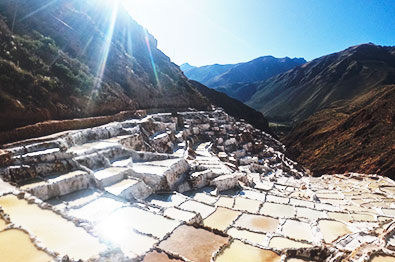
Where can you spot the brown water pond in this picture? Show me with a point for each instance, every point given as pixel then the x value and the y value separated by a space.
pixel 238 251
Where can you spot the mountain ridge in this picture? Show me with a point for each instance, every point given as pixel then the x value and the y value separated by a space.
pixel 294 95
pixel 234 79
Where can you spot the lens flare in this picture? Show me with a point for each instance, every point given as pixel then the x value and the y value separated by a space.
pixel 37 10
pixel 151 57
pixel 105 49
pixel 107 43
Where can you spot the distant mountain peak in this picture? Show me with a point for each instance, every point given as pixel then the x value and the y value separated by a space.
pixel 186 65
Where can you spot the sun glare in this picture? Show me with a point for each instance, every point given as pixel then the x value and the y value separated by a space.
pixel 112 6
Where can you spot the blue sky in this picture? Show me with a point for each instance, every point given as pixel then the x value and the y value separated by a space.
pixel 205 32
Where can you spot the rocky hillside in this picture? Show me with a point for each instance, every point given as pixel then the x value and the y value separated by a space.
pixel 358 136
pixel 299 93
pixel 234 80
pixel 79 59
pixel 341 109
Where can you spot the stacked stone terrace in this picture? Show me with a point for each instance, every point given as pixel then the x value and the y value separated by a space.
pixel 192 186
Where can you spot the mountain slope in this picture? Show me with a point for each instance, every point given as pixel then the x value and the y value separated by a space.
pixel 234 107
pixel 358 136
pixel 234 79
pixel 241 91
pixel 297 94
pixel 67 59
pixel 341 107
pixel 204 74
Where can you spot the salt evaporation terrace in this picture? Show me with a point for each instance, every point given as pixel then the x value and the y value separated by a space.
pixel 191 186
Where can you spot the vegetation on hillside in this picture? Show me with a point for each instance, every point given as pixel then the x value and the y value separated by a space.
pixel 358 136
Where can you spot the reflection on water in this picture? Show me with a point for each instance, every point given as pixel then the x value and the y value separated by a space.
pixel 97 209
pixel 119 232
pixel 138 219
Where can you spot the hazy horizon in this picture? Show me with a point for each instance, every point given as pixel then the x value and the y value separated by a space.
pixel 208 32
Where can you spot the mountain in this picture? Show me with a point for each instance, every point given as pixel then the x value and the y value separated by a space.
pixel 241 91
pixel 234 107
pixel 295 95
pixel 186 67
pixel 341 110
pixel 235 79
pixel 205 74
pixel 358 136
pixel 70 59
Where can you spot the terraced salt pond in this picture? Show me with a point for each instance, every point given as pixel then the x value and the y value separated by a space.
pixel 278 210
pixel 298 230
pixel 156 256
pixel 251 237
pixel 160 221
pixel 202 208
pixel 221 219
pixel 123 236
pixel 228 194
pixel 284 243
pixel 96 209
pixel 16 246
pixel 55 232
pixel 2 224
pixel 257 223
pixel 193 243
pixel 225 202
pixel 238 251
pixel 331 230
pixel 245 204
pixel 383 259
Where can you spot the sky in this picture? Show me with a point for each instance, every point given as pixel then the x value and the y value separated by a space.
pixel 203 32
